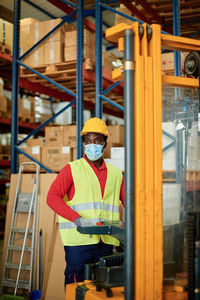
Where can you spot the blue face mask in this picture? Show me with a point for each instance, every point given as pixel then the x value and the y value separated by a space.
pixel 94 151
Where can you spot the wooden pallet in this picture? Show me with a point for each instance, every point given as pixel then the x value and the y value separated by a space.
pixel 65 75
pixel 26 119
pixel 56 69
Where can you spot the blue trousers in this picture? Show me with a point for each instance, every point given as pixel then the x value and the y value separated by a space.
pixel 77 256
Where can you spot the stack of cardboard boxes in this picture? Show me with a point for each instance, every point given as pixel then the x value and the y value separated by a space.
pixel 71 45
pixel 58 149
pixel 25 109
pixel 60 144
pixel 49 52
pixel 54 45
pixel 59 47
pixel 34 149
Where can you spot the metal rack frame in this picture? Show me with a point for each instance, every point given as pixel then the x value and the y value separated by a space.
pixel 15 82
pixel 74 12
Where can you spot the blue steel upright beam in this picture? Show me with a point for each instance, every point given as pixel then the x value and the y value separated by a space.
pixel 79 78
pixel 129 164
pixel 98 57
pixel 177 72
pixel 15 85
pixel 177 32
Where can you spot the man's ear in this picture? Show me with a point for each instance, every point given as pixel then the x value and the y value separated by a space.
pixel 105 145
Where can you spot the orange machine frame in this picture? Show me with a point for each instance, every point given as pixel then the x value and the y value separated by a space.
pixel 147 84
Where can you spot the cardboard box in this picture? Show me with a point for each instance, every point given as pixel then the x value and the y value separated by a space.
pixel 69 135
pixel 119 19
pixel 35 152
pixel 24 108
pixel 51 24
pixel 20 107
pixel 24 49
pixel 117 153
pixel 37 31
pixel 116 134
pixel 25 37
pixel 27 22
pixel 71 53
pixel 71 38
pixel 53 52
pixel 55 158
pixel 54 136
pixel 107 150
pixel 115 138
pixel 167 62
pixel 6 34
pixel 59 34
pixel 36 58
pixel 3 105
pixel 54 288
pixel 35 142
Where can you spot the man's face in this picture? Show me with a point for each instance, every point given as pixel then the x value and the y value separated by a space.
pixel 94 138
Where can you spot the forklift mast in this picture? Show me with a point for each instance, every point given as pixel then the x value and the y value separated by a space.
pixel 151 277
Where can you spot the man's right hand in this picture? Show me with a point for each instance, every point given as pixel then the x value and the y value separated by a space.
pixel 84 222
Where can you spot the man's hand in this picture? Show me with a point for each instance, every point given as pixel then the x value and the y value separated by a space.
pixel 84 222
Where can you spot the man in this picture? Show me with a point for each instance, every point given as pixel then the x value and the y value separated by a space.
pixel 94 190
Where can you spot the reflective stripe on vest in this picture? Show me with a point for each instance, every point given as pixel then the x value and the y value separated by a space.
pixel 95 205
pixel 88 202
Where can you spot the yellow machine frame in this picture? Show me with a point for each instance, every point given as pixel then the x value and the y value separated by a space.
pixel 147 84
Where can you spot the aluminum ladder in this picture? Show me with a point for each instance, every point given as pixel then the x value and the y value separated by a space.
pixel 26 205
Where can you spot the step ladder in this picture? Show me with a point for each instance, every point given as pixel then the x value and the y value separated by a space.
pixel 22 241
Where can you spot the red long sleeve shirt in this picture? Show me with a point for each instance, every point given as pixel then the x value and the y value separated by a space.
pixel 64 185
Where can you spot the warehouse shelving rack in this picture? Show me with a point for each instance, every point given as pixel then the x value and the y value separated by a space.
pixel 74 12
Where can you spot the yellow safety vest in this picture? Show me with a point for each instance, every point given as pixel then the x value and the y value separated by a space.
pixel 88 202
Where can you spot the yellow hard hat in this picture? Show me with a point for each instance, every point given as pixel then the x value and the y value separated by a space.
pixel 95 125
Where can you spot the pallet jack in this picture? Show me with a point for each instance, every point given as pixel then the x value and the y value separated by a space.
pixel 104 279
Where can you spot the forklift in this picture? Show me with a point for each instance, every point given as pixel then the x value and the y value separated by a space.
pixel 137 273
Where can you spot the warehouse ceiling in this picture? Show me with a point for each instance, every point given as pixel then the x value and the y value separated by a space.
pixel 154 11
